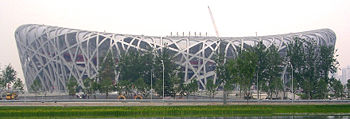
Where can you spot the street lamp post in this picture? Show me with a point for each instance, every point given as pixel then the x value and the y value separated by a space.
pixel 257 79
pixel 152 75
pixel 151 84
pixel 257 74
pixel 292 82
pixel 163 78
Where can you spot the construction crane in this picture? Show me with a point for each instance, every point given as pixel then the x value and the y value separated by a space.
pixel 213 21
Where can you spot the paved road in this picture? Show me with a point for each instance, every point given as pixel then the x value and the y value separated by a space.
pixel 64 100
pixel 158 102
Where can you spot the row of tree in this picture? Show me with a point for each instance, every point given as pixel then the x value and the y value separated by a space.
pixel 262 66
pixel 139 72
pixel 9 81
pixel 310 63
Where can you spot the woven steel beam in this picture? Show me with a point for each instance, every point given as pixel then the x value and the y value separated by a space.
pixel 54 54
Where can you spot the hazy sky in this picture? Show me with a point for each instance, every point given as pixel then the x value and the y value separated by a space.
pixel 160 17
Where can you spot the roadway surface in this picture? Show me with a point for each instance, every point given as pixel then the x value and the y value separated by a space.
pixel 100 100
pixel 158 102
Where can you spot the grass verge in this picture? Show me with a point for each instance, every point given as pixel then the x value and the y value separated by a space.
pixel 171 111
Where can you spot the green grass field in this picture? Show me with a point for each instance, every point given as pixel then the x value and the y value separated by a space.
pixel 172 111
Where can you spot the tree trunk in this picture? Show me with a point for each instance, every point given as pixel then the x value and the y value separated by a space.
pixel 212 95
pixel 225 97
pixel 276 93
pixel 258 93
pixel 284 93
pixel 240 93
pixel 246 95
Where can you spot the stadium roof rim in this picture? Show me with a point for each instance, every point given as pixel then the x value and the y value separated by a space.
pixel 292 33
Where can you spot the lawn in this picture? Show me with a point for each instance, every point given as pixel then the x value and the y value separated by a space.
pixel 171 111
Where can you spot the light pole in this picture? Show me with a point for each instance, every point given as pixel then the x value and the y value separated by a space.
pixel 257 74
pixel 151 84
pixel 152 75
pixel 163 78
pixel 257 79
pixel 292 82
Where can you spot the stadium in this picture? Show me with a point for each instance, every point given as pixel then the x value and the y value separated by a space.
pixel 53 54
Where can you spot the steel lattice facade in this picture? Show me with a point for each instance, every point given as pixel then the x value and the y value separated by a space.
pixel 53 54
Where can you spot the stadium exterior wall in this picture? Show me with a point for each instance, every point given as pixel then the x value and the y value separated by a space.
pixel 52 54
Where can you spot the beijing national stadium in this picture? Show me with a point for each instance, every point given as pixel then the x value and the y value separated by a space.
pixel 53 54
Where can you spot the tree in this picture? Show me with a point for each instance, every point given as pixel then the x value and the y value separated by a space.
pixel 141 86
pixel 321 89
pixel 36 86
pixel 312 64
pixel 191 88
pixel 182 88
pixel 319 62
pixel 124 87
pixel 246 66
pixel 106 85
pixel 275 87
pixel 87 85
pixel 94 87
pixel 2 84
pixel 106 74
pixel 130 66
pixel 234 72
pixel 311 73
pixel 296 56
pixel 338 88
pixel 328 62
pixel 147 63
pixel 176 82
pixel 271 82
pixel 211 88
pixel 223 75
pixel 263 63
pixel 169 73
pixel 136 64
pixel 170 86
pixel 18 85
pixel 348 87
pixel 90 86
pixel 8 76
pixel 72 86
pixel 186 89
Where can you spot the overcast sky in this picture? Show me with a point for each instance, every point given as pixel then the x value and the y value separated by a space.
pixel 160 17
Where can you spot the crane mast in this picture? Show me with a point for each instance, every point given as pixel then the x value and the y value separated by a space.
pixel 213 21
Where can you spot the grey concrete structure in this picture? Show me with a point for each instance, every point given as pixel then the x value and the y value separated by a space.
pixel 53 54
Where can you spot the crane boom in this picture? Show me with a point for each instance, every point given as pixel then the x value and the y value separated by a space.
pixel 213 21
